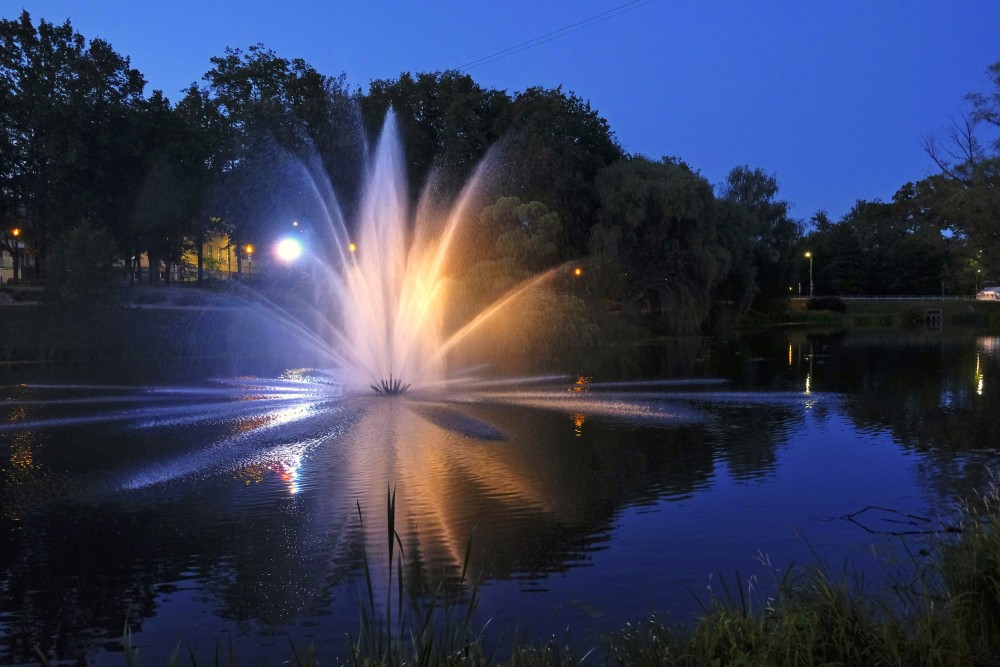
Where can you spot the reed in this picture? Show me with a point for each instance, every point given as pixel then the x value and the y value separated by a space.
pixel 429 630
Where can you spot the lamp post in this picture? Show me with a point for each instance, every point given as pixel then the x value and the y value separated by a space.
pixel 810 256
pixel 16 233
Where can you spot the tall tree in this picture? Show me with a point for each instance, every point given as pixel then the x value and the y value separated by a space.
pixel 68 108
pixel 775 235
pixel 447 122
pixel 656 241
pixel 966 193
pixel 265 106
pixel 558 146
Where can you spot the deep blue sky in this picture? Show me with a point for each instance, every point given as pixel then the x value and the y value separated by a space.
pixel 832 97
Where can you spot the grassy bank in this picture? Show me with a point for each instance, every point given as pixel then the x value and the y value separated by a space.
pixel 942 608
pixel 898 314
pixel 159 327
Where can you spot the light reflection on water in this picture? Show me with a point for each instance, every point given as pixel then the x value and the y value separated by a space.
pixel 232 508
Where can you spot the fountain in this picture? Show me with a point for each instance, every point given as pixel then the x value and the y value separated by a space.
pixel 387 277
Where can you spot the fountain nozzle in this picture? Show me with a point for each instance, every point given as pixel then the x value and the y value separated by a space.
pixel 389 387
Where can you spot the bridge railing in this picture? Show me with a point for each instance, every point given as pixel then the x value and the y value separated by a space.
pixel 929 297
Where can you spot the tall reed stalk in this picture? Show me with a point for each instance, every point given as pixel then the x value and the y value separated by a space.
pixel 433 631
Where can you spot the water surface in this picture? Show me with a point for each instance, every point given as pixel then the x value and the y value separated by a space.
pixel 228 509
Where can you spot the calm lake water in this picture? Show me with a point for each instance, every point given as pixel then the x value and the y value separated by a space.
pixel 226 509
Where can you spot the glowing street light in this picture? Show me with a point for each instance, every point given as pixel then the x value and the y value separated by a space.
pixel 288 250
pixel 16 232
pixel 810 256
pixel 248 249
pixel 578 272
pixel 353 247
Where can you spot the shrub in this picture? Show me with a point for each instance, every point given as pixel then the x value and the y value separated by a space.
pixel 833 303
pixel 83 264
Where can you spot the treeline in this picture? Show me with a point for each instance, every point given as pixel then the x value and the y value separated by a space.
pixel 84 151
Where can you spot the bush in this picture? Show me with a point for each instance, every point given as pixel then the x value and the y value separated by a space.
pixel 833 303
pixel 83 265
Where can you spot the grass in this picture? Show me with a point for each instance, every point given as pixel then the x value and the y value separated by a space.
pixel 898 314
pixel 943 611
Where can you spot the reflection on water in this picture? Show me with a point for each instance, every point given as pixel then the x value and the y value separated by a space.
pixel 231 508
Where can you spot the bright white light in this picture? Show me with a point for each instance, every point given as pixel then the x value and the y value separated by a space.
pixel 289 250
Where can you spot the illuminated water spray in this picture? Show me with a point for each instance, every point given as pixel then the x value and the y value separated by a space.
pixel 389 282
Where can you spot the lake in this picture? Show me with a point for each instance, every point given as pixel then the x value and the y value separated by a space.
pixel 203 508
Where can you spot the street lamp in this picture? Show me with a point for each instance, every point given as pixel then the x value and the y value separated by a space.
pixel 288 250
pixel 15 256
pixel 810 256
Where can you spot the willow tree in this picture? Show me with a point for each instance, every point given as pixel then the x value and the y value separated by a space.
pixel 656 242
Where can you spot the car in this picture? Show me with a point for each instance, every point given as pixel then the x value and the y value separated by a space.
pixel 989 294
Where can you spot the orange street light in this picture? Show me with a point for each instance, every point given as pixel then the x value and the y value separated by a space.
pixel 249 249
pixel 578 272
pixel 16 232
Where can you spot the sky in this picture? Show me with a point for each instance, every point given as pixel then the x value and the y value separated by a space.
pixel 834 98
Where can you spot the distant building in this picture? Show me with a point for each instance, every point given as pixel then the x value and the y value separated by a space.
pixel 218 255
pixel 218 263
pixel 6 266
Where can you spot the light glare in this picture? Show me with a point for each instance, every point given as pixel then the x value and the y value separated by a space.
pixel 289 250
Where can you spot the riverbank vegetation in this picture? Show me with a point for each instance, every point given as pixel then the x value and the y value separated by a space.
pixel 940 608
pixel 662 246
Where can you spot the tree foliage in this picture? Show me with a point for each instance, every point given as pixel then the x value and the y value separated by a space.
pixel 558 145
pixel 656 240
pixel 773 234
pixel 940 235
pixel 69 110
pixel 447 121
pixel 243 151
pixel 84 265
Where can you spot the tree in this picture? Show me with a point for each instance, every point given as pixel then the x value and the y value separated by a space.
pixel 447 122
pixel 522 242
pixel 516 252
pixel 264 106
pixel 882 248
pixel 259 94
pixel 558 146
pixel 774 234
pixel 68 108
pixel 966 193
pixel 656 243
pixel 197 147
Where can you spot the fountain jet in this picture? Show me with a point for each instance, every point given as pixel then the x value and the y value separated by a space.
pixel 383 280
